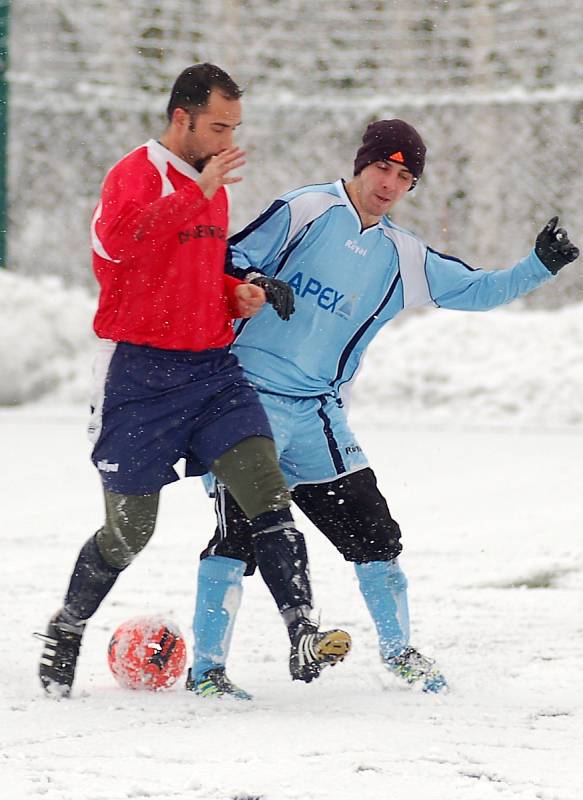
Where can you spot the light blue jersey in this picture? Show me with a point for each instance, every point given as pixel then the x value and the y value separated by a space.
pixel 348 284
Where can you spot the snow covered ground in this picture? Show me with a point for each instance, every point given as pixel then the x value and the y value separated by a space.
pixel 492 526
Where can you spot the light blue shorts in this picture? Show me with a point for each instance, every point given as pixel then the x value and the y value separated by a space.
pixel 313 440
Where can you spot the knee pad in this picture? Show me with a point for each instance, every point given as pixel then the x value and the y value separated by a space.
pixel 250 471
pixel 129 524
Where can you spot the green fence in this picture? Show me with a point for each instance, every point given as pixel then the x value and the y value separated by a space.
pixel 4 17
pixel 494 86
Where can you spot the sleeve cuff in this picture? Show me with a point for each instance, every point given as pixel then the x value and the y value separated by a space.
pixel 230 286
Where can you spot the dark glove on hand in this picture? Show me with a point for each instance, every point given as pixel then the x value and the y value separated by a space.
pixel 278 293
pixel 554 248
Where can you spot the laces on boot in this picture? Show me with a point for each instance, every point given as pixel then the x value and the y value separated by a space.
pixel 312 650
pixel 215 683
pixel 62 642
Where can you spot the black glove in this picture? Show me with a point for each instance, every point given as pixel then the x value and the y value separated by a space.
pixel 278 293
pixel 554 248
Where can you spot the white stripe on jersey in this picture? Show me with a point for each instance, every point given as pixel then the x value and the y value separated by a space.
pixel 96 241
pixel 412 254
pixel 159 159
pixel 307 207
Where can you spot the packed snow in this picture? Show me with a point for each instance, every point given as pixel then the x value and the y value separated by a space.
pixel 473 424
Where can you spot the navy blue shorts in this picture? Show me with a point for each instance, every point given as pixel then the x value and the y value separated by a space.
pixel 152 407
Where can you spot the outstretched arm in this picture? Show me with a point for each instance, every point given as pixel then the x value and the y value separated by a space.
pixel 456 285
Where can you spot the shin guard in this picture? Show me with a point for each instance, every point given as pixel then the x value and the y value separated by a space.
pixel 282 559
pixel 384 587
pixel 218 598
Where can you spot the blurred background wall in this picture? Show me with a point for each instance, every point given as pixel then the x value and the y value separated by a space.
pixel 494 86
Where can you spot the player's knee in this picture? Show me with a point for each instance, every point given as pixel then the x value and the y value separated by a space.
pixel 383 543
pixel 251 472
pixel 270 493
pixel 129 525
pixel 117 549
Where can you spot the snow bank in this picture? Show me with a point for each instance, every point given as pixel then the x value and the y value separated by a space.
pixel 504 367
pixel 46 340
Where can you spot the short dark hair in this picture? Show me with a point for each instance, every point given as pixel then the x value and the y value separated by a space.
pixel 193 87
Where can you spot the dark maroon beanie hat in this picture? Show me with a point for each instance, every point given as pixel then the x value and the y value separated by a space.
pixel 391 140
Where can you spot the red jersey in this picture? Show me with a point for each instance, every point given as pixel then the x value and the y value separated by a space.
pixel 159 253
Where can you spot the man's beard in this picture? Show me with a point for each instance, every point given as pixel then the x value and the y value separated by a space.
pixel 200 163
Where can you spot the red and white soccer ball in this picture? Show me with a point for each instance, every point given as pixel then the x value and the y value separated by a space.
pixel 147 653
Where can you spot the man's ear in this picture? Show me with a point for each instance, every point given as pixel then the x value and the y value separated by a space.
pixel 181 118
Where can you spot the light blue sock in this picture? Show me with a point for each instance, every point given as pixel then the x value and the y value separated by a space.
pixel 218 598
pixel 384 587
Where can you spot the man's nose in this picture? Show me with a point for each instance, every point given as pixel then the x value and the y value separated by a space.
pixel 389 180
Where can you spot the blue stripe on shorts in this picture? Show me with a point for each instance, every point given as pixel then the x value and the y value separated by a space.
pixel 313 439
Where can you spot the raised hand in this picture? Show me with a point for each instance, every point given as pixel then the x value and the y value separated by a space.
pixel 217 171
pixel 554 248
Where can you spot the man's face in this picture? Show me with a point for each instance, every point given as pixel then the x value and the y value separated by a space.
pixel 381 185
pixel 205 133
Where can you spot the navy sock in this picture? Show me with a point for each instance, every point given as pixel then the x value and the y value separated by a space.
pixel 90 582
pixel 282 559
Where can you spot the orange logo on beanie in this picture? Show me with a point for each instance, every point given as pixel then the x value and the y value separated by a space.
pixel 397 157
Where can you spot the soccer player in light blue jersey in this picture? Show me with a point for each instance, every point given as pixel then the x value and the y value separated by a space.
pixel 351 271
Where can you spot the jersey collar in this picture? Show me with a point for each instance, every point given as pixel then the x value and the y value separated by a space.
pixel 179 164
pixel 341 189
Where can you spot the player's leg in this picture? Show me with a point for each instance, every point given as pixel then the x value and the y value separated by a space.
pixel 337 490
pixel 228 556
pixel 251 473
pixel 261 515
pixel 129 524
pixel 134 460
pixel 353 514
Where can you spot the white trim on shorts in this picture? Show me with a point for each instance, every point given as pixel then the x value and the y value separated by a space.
pixel 330 479
pixel 101 362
